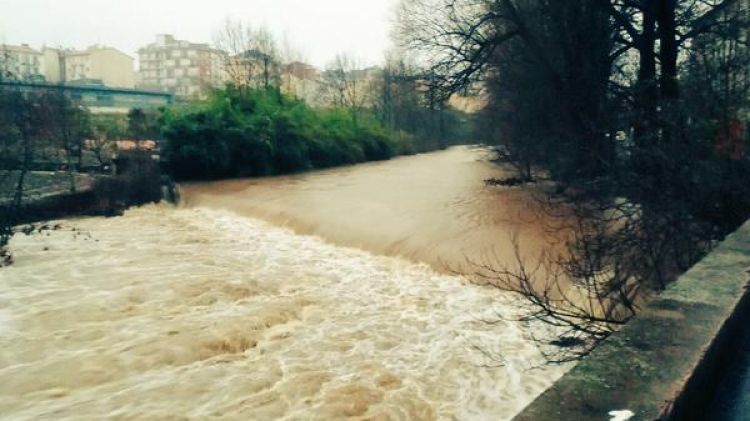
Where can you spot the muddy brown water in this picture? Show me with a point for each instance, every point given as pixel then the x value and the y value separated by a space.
pixel 433 208
pixel 218 310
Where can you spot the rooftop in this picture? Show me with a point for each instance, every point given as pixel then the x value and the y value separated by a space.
pixel 169 41
pixel 23 48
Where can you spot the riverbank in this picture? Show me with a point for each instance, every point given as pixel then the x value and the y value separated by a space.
pixel 204 313
pixel 50 195
pixel 47 195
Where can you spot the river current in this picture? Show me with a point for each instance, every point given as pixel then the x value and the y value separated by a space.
pixel 209 312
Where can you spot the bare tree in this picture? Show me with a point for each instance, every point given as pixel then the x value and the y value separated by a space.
pixel 252 55
pixel 267 52
pixel 6 61
pixel 576 296
pixel 629 107
pixel 347 84
pixel 64 124
pixel 453 39
pixel 234 40
pixel 18 136
pixel 290 56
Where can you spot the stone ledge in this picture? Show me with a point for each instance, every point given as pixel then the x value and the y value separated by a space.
pixel 666 363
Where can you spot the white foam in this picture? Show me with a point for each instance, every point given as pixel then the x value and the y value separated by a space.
pixel 203 313
pixel 623 415
pixel 5 322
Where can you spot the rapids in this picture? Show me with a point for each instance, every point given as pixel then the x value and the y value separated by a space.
pixel 201 313
pixel 432 208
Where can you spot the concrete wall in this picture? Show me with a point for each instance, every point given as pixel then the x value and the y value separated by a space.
pixel 666 363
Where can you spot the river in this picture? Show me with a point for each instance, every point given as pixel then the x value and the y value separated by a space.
pixel 216 310
pixel 432 208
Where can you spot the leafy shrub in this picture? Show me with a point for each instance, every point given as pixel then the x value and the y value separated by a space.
pixel 263 132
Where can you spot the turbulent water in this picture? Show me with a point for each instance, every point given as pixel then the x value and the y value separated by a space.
pixel 199 313
pixel 432 208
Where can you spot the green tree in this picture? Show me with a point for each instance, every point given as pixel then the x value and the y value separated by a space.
pixel 260 132
pixel 138 124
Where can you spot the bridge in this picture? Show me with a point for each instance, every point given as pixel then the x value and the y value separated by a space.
pixel 98 98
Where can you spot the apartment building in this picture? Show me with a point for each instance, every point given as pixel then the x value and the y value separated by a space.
pixel 302 81
pixel 96 65
pixel 180 67
pixel 53 65
pixel 302 71
pixel 22 63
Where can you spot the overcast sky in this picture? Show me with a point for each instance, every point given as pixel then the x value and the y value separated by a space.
pixel 318 28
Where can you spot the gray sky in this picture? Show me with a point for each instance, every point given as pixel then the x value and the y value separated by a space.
pixel 319 29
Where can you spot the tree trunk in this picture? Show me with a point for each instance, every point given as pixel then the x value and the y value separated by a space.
pixel 669 88
pixel 668 49
pixel 647 90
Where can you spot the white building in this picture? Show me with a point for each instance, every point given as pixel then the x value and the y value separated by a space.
pixel 302 81
pixel 97 64
pixel 53 65
pixel 105 64
pixel 183 68
pixel 21 62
